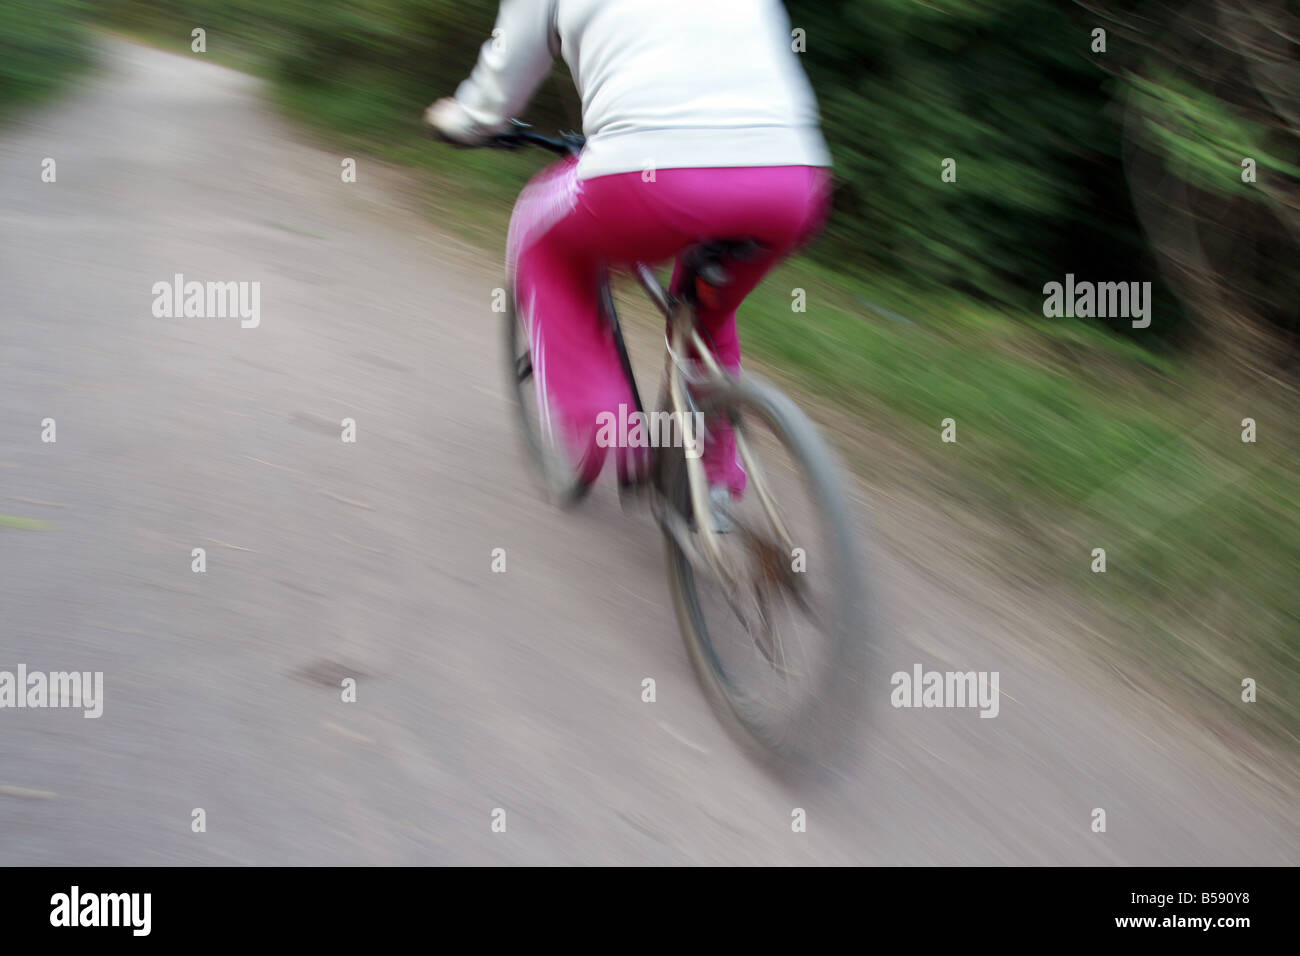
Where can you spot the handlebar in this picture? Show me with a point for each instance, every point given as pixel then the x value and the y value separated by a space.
pixel 520 134
pixel 565 144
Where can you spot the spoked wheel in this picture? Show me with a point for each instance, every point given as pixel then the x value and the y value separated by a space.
pixel 779 636
pixel 564 481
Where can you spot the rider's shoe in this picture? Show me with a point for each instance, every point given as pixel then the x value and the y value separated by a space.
pixel 720 502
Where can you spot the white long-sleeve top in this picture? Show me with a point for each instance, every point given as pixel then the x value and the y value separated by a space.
pixel 664 83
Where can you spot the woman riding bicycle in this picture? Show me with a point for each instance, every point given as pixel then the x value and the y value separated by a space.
pixel 700 124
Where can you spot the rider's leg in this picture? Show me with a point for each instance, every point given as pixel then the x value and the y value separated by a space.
pixel 575 365
pixel 794 203
pixel 564 231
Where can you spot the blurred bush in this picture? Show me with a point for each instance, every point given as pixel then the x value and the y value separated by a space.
pixel 40 44
pixel 1209 87
pixel 1009 91
pixel 380 61
pixel 1122 165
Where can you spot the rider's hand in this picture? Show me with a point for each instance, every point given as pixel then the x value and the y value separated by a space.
pixel 451 121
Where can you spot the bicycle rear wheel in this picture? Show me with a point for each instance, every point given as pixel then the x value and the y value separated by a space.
pixel 780 649
pixel 564 480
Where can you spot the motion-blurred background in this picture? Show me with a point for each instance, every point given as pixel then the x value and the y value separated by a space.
pixel 1115 157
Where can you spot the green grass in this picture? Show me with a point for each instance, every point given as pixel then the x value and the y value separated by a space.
pixel 1071 439
pixel 24 524
pixel 42 47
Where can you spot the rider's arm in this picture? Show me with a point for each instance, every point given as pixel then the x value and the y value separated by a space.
pixel 511 65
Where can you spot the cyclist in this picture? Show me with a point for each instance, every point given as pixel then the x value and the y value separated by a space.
pixel 700 124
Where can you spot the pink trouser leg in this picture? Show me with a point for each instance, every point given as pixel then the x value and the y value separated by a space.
pixel 721 464
pixel 565 232
pixel 575 365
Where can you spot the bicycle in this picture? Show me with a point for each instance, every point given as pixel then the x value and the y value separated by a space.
pixel 755 564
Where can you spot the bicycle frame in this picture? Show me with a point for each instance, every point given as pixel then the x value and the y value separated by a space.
pixel 683 338
pixel 682 334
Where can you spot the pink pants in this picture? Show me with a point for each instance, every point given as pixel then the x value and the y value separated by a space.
pixel 565 231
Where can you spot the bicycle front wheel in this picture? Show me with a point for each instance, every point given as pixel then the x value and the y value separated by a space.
pixel 779 639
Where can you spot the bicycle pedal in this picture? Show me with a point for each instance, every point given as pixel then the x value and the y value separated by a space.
pixel 718 511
